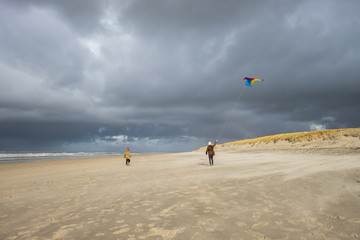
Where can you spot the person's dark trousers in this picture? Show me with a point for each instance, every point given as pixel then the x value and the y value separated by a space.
pixel 127 161
pixel 211 161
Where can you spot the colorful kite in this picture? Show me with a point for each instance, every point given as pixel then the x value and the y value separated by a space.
pixel 249 81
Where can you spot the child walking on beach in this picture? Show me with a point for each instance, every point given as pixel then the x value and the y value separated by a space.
pixel 127 156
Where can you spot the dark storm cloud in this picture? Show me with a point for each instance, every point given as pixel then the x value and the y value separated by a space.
pixel 165 75
pixel 82 15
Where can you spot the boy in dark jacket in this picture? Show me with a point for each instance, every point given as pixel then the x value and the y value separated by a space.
pixel 211 152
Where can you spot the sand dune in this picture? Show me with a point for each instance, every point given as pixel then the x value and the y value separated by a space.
pixel 260 192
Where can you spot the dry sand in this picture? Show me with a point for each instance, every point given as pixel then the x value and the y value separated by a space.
pixel 307 193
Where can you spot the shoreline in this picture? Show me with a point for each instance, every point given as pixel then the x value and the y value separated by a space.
pixel 20 157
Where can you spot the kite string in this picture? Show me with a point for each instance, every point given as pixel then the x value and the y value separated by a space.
pixel 227 120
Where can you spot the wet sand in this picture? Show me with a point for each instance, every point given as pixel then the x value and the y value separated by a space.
pixel 246 195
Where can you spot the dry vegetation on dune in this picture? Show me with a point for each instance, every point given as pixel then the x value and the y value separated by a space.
pixel 303 136
pixel 298 137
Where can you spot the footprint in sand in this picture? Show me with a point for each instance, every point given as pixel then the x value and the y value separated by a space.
pixel 89 209
pixel 139 227
pixel 166 234
pixel 123 230
pixel 106 211
pixel 259 225
pixel 63 231
pixel 354 220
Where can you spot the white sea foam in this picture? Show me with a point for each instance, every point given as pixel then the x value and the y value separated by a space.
pixel 8 157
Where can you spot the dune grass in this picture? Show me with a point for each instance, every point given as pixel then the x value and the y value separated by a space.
pixel 299 136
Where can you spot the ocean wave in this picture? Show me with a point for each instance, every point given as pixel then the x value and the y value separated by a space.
pixel 8 157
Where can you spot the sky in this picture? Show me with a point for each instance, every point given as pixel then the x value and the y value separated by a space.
pixel 167 75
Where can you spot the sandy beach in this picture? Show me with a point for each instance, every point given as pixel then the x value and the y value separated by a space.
pixel 247 194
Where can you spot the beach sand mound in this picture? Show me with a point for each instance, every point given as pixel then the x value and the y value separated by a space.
pixel 335 140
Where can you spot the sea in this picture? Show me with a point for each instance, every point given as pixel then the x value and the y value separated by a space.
pixel 16 157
